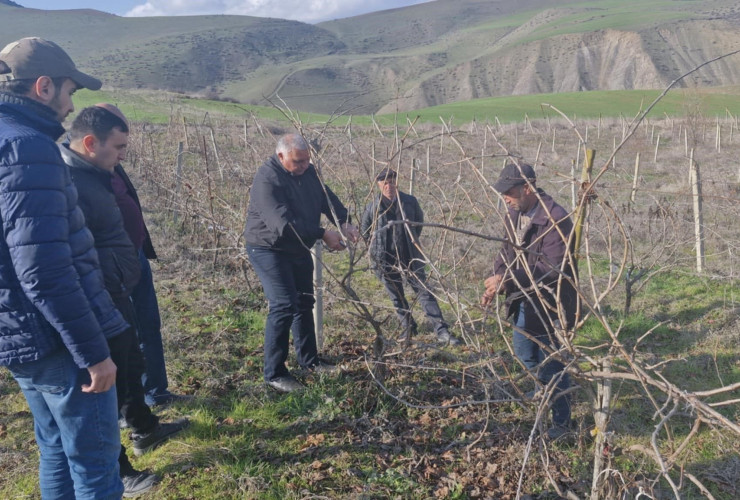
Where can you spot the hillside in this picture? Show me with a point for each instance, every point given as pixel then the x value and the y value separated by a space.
pixel 402 59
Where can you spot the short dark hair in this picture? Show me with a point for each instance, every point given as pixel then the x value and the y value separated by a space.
pixel 96 121
pixel 23 87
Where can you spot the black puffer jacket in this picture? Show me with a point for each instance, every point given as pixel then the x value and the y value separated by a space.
pixel 285 210
pixel 119 260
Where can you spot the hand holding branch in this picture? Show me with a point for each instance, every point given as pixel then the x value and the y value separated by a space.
pixel 493 287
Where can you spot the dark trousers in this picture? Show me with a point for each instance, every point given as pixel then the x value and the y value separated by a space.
pixel 392 278
pixel 532 356
pixel 287 280
pixel 125 353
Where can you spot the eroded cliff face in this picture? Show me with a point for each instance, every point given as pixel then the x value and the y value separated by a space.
pixel 601 60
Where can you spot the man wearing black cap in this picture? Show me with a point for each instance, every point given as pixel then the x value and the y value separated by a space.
pixel 395 253
pixel 537 277
pixel 55 314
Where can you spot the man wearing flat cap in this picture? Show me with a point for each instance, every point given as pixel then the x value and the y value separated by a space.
pixel 535 269
pixel 55 314
pixel 396 256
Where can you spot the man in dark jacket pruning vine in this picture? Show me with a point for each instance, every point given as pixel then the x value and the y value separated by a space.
pixel 283 222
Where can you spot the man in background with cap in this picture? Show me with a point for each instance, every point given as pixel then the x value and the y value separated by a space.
pixel 55 314
pixel 536 269
pixel 395 253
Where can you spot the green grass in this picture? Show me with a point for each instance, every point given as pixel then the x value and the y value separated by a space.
pixel 162 107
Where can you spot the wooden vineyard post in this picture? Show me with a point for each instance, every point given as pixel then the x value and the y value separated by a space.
pixel 698 217
pixel 318 273
pixel 602 404
pixel 637 174
pixel 582 210
pixel 178 180
pixel 414 163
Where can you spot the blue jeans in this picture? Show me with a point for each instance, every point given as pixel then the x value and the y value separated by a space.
pixel 77 433
pixel 148 327
pixel 287 280
pixel 532 356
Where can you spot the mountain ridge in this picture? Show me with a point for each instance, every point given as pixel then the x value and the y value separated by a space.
pixel 402 59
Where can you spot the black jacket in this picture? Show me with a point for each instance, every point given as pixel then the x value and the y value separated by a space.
pixel 285 210
pixel 119 260
pixel 373 222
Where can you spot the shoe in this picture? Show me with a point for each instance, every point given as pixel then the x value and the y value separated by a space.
pixel 558 431
pixel 286 383
pixel 324 367
pixel 169 398
pixel 445 337
pixel 137 483
pixel 161 433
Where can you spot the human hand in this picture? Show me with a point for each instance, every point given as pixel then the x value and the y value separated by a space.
pixel 493 287
pixel 351 232
pixel 102 376
pixel 333 240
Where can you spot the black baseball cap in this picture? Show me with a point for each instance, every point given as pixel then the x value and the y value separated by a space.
pixel 514 175
pixel 33 57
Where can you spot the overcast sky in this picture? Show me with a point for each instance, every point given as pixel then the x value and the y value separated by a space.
pixel 309 11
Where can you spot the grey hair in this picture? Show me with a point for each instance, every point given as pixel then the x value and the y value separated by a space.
pixel 291 142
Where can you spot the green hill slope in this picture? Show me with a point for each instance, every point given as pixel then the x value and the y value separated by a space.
pixel 434 53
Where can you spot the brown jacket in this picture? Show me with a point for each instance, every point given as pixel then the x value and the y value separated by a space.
pixel 550 264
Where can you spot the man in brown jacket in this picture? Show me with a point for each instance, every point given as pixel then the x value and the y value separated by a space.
pixel 535 270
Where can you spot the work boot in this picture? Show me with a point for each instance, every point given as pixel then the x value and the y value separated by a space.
pixel 285 384
pixel 324 366
pixel 445 337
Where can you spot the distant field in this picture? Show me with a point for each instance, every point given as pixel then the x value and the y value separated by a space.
pixel 159 107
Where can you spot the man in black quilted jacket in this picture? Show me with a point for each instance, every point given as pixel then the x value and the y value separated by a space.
pixel 98 142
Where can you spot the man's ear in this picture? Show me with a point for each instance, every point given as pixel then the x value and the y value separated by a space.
pixel 90 143
pixel 44 89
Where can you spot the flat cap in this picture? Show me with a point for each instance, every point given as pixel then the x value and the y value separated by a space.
pixel 514 175
pixel 33 57
pixel 386 173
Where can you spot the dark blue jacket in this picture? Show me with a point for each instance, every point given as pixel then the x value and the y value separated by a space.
pixel 51 290
pixel 285 210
